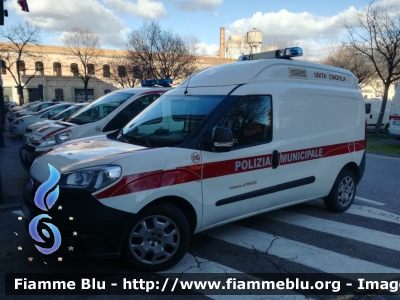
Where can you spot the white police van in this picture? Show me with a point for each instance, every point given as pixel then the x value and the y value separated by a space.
pixel 105 115
pixel 230 142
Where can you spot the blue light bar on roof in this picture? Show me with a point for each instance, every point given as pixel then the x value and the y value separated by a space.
pixel 156 82
pixel 280 53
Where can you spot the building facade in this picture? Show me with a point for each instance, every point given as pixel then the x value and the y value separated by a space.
pixel 55 76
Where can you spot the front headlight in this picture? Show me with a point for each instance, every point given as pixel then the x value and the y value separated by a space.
pixel 91 179
pixel 50 141
pixel 16 122
pixel 56 139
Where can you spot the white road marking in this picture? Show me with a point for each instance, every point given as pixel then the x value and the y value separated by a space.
pixel 308 255
pixel 374 213
pixel 369 236
pixel 191 264
pixel 364 211
pixel 369 201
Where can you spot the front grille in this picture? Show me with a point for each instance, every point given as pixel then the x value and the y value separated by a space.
pixel 30 148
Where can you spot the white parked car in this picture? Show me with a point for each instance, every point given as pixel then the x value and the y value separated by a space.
pixel 394 117
pixel 18 126
pixel 25 106
pixel 59 117
pixel 30 111
pixel 372 111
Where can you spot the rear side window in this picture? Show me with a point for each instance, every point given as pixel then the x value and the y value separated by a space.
pixel 250 120
pixel 129 112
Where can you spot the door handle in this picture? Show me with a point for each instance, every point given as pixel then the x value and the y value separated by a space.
pixel 370 116
pixel 275 160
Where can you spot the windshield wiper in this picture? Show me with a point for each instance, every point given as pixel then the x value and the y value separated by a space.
pixel 127 139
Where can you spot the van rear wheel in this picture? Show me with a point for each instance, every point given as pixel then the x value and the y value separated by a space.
pixel 343 192
pixel 157 238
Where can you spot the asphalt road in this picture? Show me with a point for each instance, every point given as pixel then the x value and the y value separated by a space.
pixel 304 238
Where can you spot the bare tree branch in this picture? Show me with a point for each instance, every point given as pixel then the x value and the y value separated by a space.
pixel 156 53
pixel 22 45
pixel 85 46
pixel 376 36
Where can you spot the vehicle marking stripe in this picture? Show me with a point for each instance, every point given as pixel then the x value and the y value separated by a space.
pixel 53 132
pixel 266 191
pixel 297 252
pixel 369 236
pixel 370 201
pixel 159 178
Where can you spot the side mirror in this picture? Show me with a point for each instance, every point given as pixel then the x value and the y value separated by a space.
pixel 222 139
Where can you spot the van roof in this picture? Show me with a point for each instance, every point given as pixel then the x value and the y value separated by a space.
pixel 270 70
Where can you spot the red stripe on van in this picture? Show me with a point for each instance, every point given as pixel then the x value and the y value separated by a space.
pixel 152 180
pixel 157 179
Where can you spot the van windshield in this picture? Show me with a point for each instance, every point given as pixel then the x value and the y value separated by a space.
pixel 169 120
pixel 99 108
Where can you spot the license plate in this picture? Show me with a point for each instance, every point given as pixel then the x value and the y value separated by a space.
pixel 26 212
pixel 396 122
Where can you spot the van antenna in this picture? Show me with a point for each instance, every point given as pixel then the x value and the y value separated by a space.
pixel 185 92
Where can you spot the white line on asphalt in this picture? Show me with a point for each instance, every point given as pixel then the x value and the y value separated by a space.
pixel 364 211
pixel 308 255
pixel 374 213
pixel 369 236
pixel 191 264
pixel 370 201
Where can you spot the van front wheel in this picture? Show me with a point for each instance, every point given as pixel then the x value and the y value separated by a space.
pixel 343 192
pixel 157 239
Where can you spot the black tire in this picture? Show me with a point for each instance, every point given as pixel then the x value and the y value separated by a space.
pixel 157 238
pixel 342 193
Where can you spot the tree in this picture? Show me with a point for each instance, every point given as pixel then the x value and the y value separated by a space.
pixel 155 53
pixel 123 73
pixel 21 47
pixel 84 45
pixel 346 58
pixel 375 35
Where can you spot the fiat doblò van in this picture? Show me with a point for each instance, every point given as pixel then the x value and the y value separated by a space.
pixel 230 142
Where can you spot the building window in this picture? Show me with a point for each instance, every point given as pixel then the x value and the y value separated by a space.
pixel 59 94
pixel 74 69
pixel 107 91
pixel 21 67
pixel 121 71
pixel 57 69
pixel 39 68
pixel 106 71
pixel 3 67
pixel 80 95
pixel 90 69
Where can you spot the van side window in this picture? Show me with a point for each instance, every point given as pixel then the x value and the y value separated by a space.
pixel 250 120
pixel 129 112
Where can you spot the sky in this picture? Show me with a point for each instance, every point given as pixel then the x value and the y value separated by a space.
pixel 314 25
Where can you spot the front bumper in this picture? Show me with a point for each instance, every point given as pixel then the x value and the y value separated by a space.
pixel 15 129
pixel 100 229
pixel 27 155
